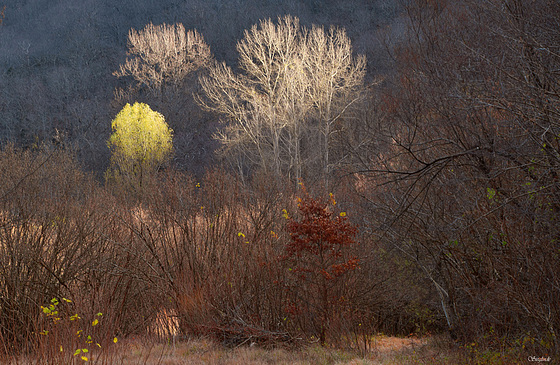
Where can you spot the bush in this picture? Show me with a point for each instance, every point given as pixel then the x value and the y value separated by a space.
pixel 52 220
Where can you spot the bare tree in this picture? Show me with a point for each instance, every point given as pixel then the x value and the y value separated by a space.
pixel 293 85
pixel 335 83
pixel 163 55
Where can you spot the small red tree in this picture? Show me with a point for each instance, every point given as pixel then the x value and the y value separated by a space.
pixel 320 239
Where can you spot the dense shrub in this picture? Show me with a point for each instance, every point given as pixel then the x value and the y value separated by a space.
pixel 53 225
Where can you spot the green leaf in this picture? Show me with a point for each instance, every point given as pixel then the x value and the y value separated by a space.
pixel 490 193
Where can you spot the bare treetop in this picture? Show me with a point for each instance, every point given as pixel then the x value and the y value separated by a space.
pixel 163 55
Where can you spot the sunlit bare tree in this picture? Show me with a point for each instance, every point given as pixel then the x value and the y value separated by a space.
pixel 293 85
pixel 163 55
pixel 335 80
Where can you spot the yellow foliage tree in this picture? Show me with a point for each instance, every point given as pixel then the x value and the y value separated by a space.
pixel 141 142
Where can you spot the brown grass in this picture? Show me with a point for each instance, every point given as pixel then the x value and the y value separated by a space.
pixel 387 350
pixel 434 350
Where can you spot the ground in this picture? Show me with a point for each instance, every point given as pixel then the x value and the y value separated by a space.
pixel 385 350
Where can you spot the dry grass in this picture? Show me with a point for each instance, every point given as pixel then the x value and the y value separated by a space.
pixel 435 350
pixel 388 350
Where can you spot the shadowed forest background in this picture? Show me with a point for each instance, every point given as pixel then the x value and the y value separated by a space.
pixel 332 170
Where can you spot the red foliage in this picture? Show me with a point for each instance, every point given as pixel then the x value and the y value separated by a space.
pixel 320 239
pixel 319 236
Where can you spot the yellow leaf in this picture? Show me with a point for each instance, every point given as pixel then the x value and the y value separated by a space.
pixel 115 340
pixel 343 214
pixel 95 322
pixel 331 196
pixel 85 358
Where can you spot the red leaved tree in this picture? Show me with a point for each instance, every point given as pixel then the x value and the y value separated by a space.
pixel 319 256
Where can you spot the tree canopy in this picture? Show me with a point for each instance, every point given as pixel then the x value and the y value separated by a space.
pixel 141 140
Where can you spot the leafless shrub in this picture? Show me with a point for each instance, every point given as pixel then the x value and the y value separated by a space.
pixel 52 234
